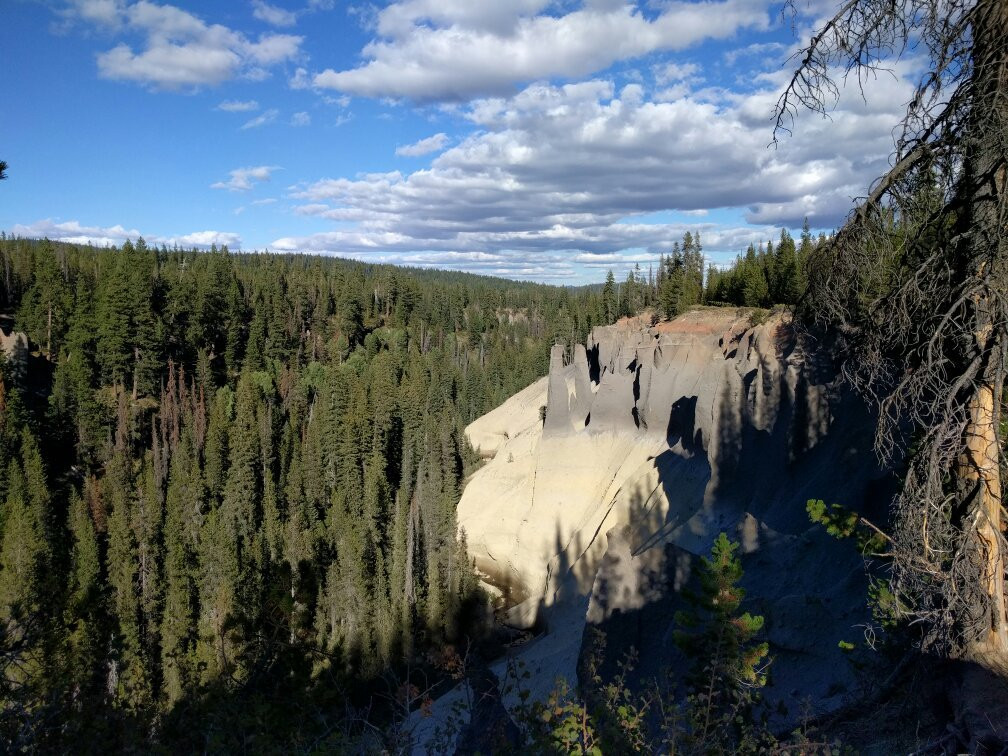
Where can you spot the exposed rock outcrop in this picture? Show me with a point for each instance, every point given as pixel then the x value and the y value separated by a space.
pixel 14 346
pixel 14 350
pixel 654 441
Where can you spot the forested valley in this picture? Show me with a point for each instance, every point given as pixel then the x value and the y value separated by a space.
pixel 233 478
pixel 759 510
pixel 229 480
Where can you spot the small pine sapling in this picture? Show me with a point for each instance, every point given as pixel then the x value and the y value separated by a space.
pixel 729 667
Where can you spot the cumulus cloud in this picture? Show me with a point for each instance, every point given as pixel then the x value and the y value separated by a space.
pixel 75 232
pixel 424 146
pixel 204 239
pixel 429 50
pixel 760 49
pixel 261 120
pixel 670 72
pixel 271 14
pixel 300 79
pixel 300 119
pixel 238 106
pixel 102 12
pixel 559 171
pixel 180 50
pixel 243 179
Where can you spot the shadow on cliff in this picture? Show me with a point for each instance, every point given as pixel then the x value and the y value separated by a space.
pixel 780 432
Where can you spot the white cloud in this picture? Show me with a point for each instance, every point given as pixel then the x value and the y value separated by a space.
pixel 75 232
pixel 243 179
pixel 273 48
pixel 238 106
pixel 266 117
pixel 205 239
pixel 559 171
pixel 424 146
pixel 180 50
pixel 103 12
pixel 169 66
pixel 300 79
pixel 271 14
pixel 670 72
pixel 755 49
pixel 265 201
pixel 430 50
pixel 300 119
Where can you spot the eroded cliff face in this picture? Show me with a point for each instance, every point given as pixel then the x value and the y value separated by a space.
pixel 654 441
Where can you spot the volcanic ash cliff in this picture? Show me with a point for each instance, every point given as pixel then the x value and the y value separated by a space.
pixel 655 440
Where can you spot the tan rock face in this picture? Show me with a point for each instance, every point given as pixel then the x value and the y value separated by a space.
pixel 636 409
pixel 654 441
pixel 14 349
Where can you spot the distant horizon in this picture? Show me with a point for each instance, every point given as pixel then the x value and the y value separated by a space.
pixel 528 140
pixel 364 261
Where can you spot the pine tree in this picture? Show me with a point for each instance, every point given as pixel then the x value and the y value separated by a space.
pixel 46 306
pixel 609 298
pixel 728 663
pixel 27 592
pixel 628 296
pixel 755 291
pixel 148 524
pixel 130 672
pixel 74 409
pixel 112 313
pixel 670 293
pixel 241 517
pixel 785 289
pixel 26 558
pixel 85 610
pixel 183 502
pixel 144 328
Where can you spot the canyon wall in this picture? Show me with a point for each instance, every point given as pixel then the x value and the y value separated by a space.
pixel 653 441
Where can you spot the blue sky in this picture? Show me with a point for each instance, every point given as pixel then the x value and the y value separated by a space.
pixel 523 138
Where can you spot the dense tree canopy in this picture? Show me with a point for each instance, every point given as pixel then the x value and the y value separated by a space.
pixel 234 477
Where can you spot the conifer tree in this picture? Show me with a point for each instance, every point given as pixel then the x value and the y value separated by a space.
pixel 112 313
pixel 26 563
pixel 144 336
pixel 241 513
pixel 46 306
pixel 670 293
pixel 755 291
pixel 26 596
pixel 148 523
pixel 183 502
pixel 129 676
pixel 609 298
pixel 628 296
pixel 72 401
pixel 85 611
pixel 728 668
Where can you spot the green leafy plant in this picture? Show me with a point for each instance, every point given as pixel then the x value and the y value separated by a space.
pixel 841 522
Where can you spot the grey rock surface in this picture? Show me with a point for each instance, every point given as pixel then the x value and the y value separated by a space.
pixel 655 441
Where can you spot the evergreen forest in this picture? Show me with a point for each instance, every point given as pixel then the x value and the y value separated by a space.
pixel 229 480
